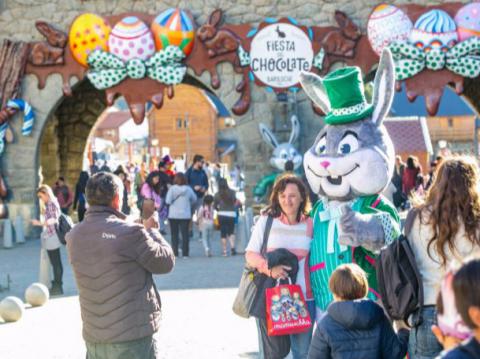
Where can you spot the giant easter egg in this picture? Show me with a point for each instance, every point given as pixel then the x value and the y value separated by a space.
pixel 131 38
pixel 468 21
pixel 174 27
pixel 37 294
pixel 434 30
pixel 88 32
pixel 387 24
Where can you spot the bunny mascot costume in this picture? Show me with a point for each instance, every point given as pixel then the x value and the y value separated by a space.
pixel 350 163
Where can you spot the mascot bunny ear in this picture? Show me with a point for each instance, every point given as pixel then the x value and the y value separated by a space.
pixel 384 87
pixel 295 129
pixel 268 136
pixel 312 84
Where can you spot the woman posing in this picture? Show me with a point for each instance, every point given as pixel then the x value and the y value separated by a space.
pixel 291 229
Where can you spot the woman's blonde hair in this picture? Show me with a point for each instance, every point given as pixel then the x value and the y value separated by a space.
pixel 46 189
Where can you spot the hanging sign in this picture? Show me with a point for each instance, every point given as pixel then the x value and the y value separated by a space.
pixel 279 53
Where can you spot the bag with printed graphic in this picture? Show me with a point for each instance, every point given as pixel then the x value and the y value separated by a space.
pixel 287 311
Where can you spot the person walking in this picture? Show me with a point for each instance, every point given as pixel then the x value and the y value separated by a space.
pixel 122 173
pixel 205 223
pixel 410 174
pixel 113 261
pixel 291 229
pixel 180 198
pixel 151 190
pixel 49 239
pixel 64 195
pixel 397 178
pixel 354 326
pixel 80 200
pixel 197 179
pixel 140 178
pixel 445 229
pixel 224 202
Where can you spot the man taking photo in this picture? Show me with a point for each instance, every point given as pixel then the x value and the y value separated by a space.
pixel 113 261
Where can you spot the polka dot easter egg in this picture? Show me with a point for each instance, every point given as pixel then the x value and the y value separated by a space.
pixel 174 27
pixel 131 38
pixel 387 24
pixel 434 30
pixel 88 32
pixel 468 21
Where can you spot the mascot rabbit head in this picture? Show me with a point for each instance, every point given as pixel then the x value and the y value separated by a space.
pixel 353 155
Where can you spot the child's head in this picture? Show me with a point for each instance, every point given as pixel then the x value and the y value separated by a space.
pixel 208 200
pixel 348 282
pixel 466 287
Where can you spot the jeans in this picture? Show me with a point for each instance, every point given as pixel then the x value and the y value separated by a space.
pixel 56 261
pixel 180 225
pixel 144 348
pixel 300 343
pixel 207 234
pixel 422 344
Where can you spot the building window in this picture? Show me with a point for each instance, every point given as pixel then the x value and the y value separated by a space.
pixel 450 122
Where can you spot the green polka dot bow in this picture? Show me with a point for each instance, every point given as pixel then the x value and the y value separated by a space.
pixel 107 70
pixel 462 59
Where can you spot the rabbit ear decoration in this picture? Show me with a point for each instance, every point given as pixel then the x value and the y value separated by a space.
pixel 312 84
pixel 268 136
pixel 295 129
pixel 384 87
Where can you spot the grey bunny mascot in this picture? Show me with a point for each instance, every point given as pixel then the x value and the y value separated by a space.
pixel 348 166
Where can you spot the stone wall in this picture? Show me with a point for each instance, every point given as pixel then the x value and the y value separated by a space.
pixel 76 115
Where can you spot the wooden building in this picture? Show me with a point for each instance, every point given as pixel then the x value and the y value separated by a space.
pixel 188 124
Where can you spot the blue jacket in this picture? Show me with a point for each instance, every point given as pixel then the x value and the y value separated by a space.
pixel 197 178
pixel 357 330
pixel 467 350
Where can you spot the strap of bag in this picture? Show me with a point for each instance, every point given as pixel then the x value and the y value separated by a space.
pixel 266 234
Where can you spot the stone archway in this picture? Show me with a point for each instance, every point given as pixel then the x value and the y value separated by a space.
pixel 67 128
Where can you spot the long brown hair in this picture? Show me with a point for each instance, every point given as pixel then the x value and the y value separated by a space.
pixel 452 199
pixel 279 187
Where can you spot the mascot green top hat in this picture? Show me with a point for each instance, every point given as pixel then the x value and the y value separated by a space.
pixel 345 92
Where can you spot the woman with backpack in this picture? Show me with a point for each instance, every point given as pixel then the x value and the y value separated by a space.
pixel 445 229
pixel 49 239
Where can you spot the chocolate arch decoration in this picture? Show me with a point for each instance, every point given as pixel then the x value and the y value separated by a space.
pixel 343 43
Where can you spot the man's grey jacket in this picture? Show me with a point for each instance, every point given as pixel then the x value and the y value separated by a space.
pixel 113 261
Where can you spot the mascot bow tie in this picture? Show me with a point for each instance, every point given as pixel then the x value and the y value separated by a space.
pixel 107 70
pixel 333 216
pixel 462 59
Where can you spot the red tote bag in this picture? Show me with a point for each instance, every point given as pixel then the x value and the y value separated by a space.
pixel 287 311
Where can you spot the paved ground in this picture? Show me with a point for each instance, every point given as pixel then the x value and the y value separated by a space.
pixel 197 318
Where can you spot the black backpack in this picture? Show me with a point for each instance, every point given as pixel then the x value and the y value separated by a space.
pixel 399 281
pixel 64 225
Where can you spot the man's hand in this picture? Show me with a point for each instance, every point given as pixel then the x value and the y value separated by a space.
pixel 36 222
pixel 151 222
pixel 197 188
pixel 447 341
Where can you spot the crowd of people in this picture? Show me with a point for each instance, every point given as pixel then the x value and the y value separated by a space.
pixel 444 233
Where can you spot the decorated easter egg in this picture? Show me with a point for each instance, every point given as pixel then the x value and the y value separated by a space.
pixel 468 21
pixel 387 24
pixel 434 30
pixel 174 27
pixel 88 32
pixel 131 38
